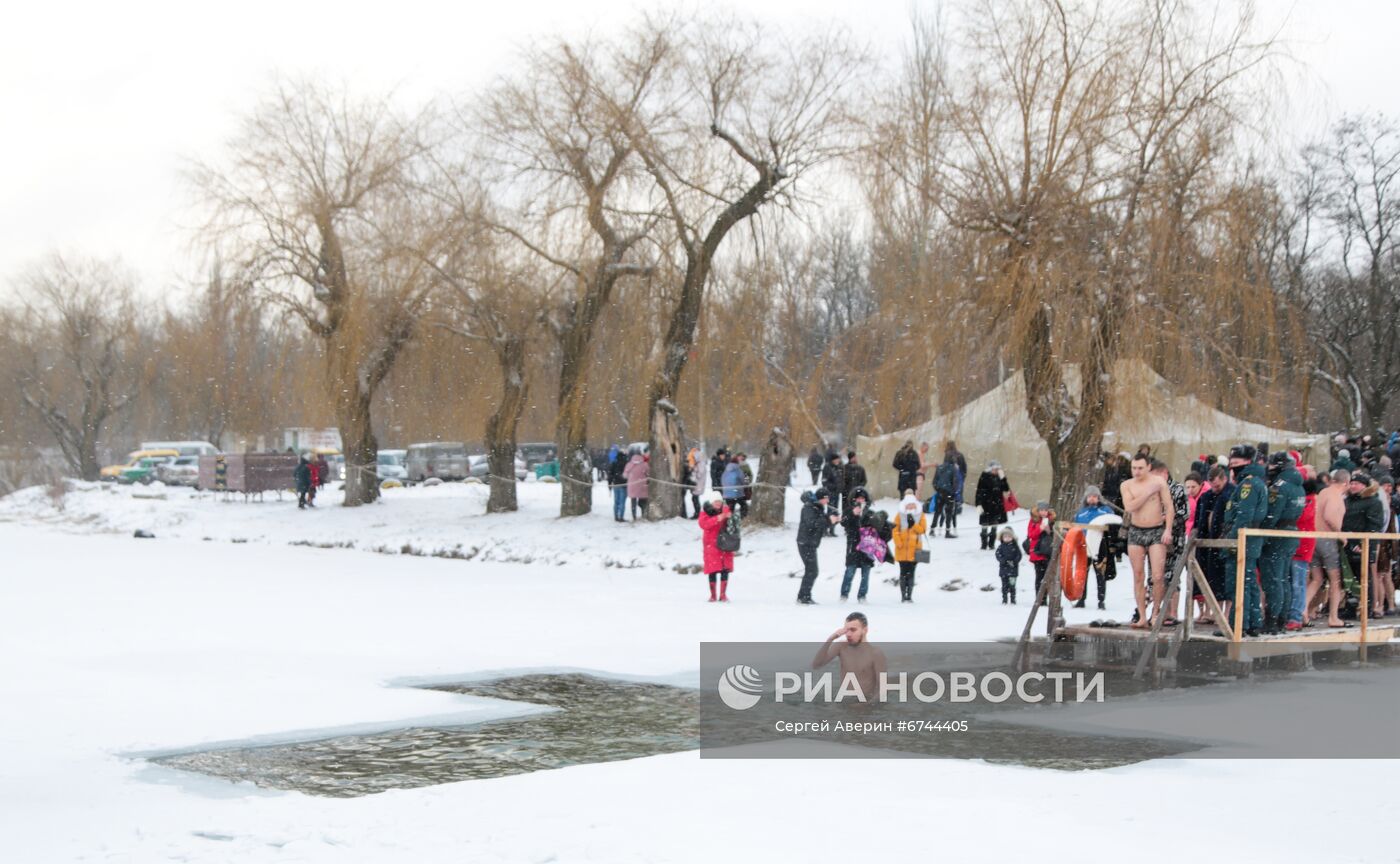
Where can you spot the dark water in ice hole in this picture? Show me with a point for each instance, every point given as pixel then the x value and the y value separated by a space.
pixel 599 720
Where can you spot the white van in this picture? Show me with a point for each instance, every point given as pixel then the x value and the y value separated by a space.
pixel 184 448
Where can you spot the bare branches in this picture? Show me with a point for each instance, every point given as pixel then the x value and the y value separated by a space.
pixel 78 345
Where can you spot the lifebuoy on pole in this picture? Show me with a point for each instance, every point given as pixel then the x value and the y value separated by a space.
pixel 1074 564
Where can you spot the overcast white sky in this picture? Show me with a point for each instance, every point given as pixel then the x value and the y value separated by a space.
pixel 104 102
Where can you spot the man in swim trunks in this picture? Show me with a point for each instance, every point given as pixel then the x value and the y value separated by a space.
pixel 1148 503
pixel 858 656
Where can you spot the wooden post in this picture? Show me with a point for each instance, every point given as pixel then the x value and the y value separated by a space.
pixel 1189 621
pixel 1035 606
pixel 1211 603
pixel 1241 545
pixel 1365 577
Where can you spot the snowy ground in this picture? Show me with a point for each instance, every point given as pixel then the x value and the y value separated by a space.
pixel 116 645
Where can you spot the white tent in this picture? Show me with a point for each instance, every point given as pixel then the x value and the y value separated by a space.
pixel 1146 410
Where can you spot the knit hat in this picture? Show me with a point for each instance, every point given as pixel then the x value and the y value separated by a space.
pixel 1383 479
pixel 909 503
pixel 1006 533
pixel 1361 477
pixel 993 465
pixel 713 497
pixel 1042 506
pixel 1093 490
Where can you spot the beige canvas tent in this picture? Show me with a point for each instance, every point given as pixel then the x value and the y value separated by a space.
pixel 1146 411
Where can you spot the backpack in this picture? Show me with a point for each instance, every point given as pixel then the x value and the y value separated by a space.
pixel 728 539
pixel 945 479
pixel 871 545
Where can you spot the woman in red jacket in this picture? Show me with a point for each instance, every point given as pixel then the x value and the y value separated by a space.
pixel 718 563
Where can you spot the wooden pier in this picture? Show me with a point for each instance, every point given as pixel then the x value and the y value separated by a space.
pixel 1157 649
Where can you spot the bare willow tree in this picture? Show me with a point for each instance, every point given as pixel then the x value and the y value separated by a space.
pixel 566 190
pixel 78 348
pixel 493 295
pixel 737 115
pixel 1349 192
pixel 1079 134
pixel 314 201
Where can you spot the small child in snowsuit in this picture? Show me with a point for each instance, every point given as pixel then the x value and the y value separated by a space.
pixel 1008 561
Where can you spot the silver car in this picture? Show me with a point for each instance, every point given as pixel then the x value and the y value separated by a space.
pixel 180 471
pixel 392 465
pixel 481 466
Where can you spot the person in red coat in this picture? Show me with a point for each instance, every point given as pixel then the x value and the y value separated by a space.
pixel 718 563
pixel 316 481
pixel 1039 540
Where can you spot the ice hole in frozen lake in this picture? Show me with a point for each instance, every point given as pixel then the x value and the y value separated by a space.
pixel 599 720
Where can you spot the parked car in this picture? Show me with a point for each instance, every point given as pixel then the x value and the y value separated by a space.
pixel 392 465
pixel 144 471
pixel 180 471
pixel 481 466
pixel 446 460
pixel 114 472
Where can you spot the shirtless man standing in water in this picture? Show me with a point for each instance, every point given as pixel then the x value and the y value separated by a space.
pixel 858 656
pixel 1148 501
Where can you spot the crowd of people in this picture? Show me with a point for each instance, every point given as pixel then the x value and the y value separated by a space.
pixel 841 497
pixel 1291 582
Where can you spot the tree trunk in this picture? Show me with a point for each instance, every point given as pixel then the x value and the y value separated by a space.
pixel 88 466
pixel 667 458
pixel 77 443
pixel 359 446
pixel 571 433
pixel 501 425
pixel 1073 433
pixel 1072 468
pixel 774 471
pixel 666 432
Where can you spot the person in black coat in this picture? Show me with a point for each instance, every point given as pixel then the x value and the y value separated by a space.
pixel 1115 471
pixel 858 517
pixel 950 450
pixel 816 518
pixel 302 475
pixel 992 489
pixel 718 463
pixel 854 477
pixel 1008 563
pixel 834 482
pixel 814 464
pixel 908 464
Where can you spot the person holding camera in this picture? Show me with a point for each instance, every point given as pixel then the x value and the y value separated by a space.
pixel 817 516
pixel 719 562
